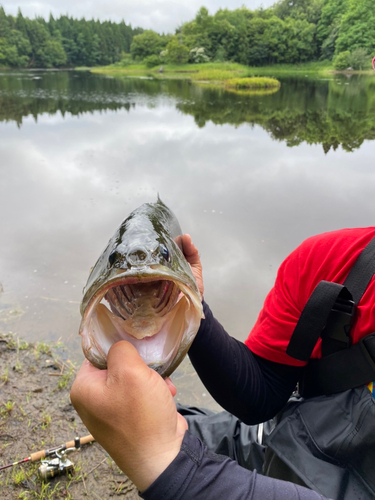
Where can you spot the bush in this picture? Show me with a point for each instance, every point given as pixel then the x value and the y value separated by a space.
pixel 342 60
pixel 177 53
pixel 198 56
pixel 126 60
pixel 359 59
pixel 221 54
pixel 152 61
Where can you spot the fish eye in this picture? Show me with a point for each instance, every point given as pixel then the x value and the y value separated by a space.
pixel 113 257
pixel 164 252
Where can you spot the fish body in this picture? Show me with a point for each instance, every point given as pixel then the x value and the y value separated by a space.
pixel 142 290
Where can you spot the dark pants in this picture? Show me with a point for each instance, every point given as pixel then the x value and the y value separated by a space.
pixel 225 434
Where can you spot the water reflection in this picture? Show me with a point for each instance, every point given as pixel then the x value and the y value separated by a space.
pixel 67 181
pixel 331 112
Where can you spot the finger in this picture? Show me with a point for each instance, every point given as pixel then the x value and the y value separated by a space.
pixel 190 250
pixel 124 361
pixel 87 378
pixel 171 386
pixel 89 371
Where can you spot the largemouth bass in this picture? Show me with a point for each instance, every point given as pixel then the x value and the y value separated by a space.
pixel 142 290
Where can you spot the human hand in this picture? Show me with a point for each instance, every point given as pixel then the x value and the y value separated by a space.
pixel 192 256
pixel 129 409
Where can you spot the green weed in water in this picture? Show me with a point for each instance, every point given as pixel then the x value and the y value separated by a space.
pixel 252 83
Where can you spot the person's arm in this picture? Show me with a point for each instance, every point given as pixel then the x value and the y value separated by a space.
pixel 129 409
pixel 248 386
pixel 199 474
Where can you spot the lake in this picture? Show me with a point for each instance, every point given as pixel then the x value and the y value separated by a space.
pixel 249 176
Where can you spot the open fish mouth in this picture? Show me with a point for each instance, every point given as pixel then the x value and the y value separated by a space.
pixel 130 301
pixel 142 290
pixel 158 314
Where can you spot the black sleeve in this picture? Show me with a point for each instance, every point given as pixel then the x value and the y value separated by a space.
pixel 199 474
pixel 248 386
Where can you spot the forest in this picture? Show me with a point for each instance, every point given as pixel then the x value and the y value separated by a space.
pixel 289 32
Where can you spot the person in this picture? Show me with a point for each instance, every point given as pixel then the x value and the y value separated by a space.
pixel 129 409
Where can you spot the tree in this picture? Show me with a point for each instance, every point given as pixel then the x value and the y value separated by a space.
pixel 357 28
pixel 359 59
pixel 54 54
pixel 328 26
pixel 308 10
pixel 177 53
pixel 146 44
pixel 21 25
pixel 4 24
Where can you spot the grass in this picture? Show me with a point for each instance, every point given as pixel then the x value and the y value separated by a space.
pixel 42 348
pixel 252 83
pixel 218 72
pixel 64 379
pixel 231 76
pixel 5 376
pixel 7 408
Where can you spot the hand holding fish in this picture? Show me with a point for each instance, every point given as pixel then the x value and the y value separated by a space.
pixel 192 256
pixel 130 411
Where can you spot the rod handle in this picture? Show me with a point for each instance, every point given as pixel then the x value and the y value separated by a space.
pixel 37 455
pixel 83 440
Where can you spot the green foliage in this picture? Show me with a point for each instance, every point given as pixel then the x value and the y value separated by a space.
pixel 197 55
pixel 63 41
pixel 290 32
pixel 342 60
pixel 252 83
pixel 152 61
pixel 221 54
pixel 147 44
pixel 357 28
pixel 359 59
pixel 308 10
pixel 177 53
pixel 126 59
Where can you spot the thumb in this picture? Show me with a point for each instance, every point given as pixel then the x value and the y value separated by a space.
pixel 124 362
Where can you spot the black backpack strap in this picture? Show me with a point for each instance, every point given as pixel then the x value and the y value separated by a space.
pixel 342 366
pixel 361 273
pixel 341 370
pixel 314 318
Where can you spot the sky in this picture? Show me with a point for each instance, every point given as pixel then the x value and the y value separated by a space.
pixel 159 15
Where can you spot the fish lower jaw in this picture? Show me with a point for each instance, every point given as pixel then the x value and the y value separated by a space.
pixel 159 340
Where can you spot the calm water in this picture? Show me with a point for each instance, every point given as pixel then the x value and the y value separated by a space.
pixel 248 176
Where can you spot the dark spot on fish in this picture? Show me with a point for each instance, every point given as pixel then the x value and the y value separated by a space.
pixel 113 258
pixel 164 252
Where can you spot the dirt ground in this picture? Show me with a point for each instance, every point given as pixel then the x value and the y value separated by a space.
pixel 36 414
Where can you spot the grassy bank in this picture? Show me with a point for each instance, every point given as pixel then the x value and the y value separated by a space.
pixel 215 72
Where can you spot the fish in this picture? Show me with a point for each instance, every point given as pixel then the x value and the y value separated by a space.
pixel 142 290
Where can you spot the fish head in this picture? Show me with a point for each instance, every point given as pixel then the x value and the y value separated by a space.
pixel 142 290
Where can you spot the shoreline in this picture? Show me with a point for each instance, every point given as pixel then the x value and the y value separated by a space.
pixel 36 414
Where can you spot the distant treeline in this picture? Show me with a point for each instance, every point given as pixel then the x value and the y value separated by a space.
pixel 291 31
pixel 60 42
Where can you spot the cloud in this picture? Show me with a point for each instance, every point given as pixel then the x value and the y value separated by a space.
pixel 159 15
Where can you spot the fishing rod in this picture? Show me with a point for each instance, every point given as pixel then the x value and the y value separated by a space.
pixel 50 468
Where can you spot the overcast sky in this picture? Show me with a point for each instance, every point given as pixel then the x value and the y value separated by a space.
pixel 159 15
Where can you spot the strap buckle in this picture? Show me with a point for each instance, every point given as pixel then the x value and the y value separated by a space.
pixel 336 334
